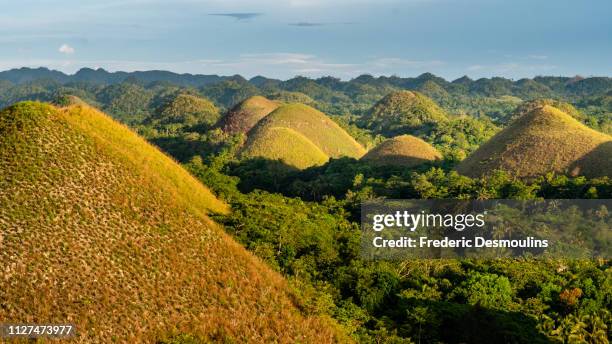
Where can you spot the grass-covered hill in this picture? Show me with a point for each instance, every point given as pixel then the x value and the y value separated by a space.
pixel 186 109
pixel 100 229
pixel 541 141
pixel 311 125
pixel 404 112
pixel 404 150
pixel 242 117
pixel 286 145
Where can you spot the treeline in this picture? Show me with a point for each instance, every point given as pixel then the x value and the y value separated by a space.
pixel 492 97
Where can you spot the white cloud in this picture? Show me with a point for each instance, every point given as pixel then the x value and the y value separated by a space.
pixel 66 49
pixel 279 65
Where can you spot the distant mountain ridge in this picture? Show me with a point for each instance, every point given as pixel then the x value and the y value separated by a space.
pixel 134 97
pixel 485 86
pixel 101 76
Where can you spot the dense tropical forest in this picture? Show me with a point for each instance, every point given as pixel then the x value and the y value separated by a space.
pixel 299 211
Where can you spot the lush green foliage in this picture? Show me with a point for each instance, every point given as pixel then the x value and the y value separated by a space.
pixel 495 98
pixel 316 245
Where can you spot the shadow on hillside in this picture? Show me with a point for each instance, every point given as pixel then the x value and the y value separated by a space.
pixel 334 178
pixel 390 161
pixel 450 322
pixel 596 163
pixel 180 148
pixel 263 174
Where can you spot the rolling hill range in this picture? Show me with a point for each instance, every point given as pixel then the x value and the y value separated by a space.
pixel 245 115
pixel 404 150
pixel 309 125
pixel 541 141
pixel 404 112
pixel 99 228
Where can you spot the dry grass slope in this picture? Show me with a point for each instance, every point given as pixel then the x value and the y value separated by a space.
pixel 246 114
pixel 404 150
pixel 287 145
pixel 99 228
pixel 324 133
pixel 541 141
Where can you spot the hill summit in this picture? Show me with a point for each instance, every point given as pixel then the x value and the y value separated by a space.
pixel 541 141
pixel 100 229
pixel 529 106
pixel 309 138
pixel 404 112
pixel 186 109
pixel 245 115
pixel 404 150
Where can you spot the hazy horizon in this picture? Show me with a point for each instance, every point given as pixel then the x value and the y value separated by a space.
pixel 295 76
pixel 313 38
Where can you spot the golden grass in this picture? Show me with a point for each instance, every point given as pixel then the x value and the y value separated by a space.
pixel 324 133
pixel 246 114
pixel 541 141
pixel 286 145
pixel 404 150
pixel 132 149
pixel 100 229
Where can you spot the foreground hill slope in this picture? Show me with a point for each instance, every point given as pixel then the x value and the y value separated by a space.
pixel 404 112
pixel 315 126
pixel 99 228
pixel 541 141
pixel 242 117
pixel 404 150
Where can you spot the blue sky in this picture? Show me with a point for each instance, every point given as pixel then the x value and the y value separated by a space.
pixel 284 38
